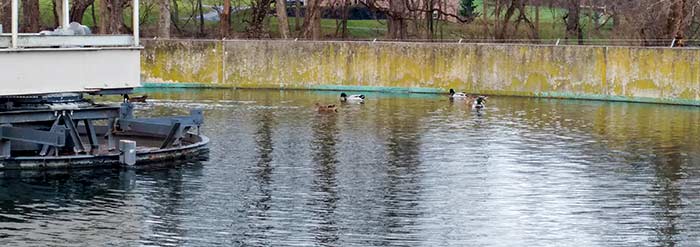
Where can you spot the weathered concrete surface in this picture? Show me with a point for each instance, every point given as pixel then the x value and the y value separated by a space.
pixel 612 73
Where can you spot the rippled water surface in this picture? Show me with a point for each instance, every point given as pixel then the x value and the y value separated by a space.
pixel 408 170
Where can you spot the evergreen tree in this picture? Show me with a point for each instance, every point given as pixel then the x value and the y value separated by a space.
pixel 467 8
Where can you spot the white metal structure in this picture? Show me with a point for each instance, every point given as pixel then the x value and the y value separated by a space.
pixel 32 64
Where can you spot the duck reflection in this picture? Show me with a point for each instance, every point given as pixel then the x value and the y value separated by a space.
pixel 262 172
pixel 401 194
pixel 324 182
pixel 668 165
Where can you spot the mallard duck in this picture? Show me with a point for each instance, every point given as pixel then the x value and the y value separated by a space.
pixel 137 99
pixel 326 108
pixel 356 98
pixel 456 95
pixel 479 102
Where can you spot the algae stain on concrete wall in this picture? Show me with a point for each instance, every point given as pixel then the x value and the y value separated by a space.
pixel 550 71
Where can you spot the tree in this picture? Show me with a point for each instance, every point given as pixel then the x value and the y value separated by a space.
pixel 225 19
pixel 676 23
pixel 396 19
pixel 164 19
pixel 573 27
pixel 282 21
pixel 112 16
pixel 311 28
pixel 467 8
pixel 6 15
pixel 30 16
pixel 256 23
pixel 78 8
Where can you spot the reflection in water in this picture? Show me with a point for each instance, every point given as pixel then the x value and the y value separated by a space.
pixel 402 169
pixel 262 172
pixel 93 207
pixel 667 184
pixel 403 163
pixel 324 182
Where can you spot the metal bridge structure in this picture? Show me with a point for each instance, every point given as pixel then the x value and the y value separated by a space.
pixel 47 122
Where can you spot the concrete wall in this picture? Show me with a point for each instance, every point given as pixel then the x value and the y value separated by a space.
pixel 613 73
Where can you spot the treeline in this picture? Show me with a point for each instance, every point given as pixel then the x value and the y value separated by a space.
pixel 643 20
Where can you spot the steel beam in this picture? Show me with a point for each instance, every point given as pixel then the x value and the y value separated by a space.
pixel 74 135
pixel 48 115
pixel 173 135
pixel 92 136
pixel 53 138
pixel 45 149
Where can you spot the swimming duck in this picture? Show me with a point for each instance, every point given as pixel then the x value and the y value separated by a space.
pixel 326 108
pixel 357 98
pixel 456 95
pixel 138 99
pixel 479 102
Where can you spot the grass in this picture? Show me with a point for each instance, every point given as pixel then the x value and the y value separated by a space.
pixel 551 26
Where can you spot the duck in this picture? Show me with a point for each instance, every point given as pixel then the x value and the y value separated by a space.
pixel 456 95
pixel 139 99
pixel 479 102
pixel 326 108
pixel 357 98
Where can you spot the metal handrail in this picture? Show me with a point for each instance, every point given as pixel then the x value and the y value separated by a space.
pixel 17 38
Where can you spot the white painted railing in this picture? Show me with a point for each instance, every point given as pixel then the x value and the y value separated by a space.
pixel 58 41
pixel 21 40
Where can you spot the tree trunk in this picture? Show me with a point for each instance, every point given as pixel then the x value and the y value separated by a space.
pixel 573 29
pixel 30 16
pixel 78 8
pixel 164 19
pixel 676 23
pixel 225 19
pixel 297 15
pixel 57 12
pixel 111 13
pixel 344 21
pixel 6 15
pixel 537 18
pixel 201 18
pixel 312 20
pixel 501 34
pixel 282 22
pixel 396 21
pixel 429 30
pixel 485 17
pixel 256 24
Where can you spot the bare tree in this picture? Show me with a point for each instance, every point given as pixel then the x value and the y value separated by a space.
pixel 30 16
pixel 573 15
pixel 312 20
pixel 78 8
pixel 225 19
pixel 282 21
pixel 256 23
pixel 164 18
pixel 111 13
pixel 5 14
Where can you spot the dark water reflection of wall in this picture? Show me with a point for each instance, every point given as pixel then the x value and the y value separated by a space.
pixel 398 170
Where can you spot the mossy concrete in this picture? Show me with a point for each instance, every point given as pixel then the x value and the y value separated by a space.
pixel 661 75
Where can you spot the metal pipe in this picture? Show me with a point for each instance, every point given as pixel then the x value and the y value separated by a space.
pixel 15 22
pixel 65 18
pixel 135 19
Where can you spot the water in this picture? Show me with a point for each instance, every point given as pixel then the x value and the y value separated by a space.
pixel 405 170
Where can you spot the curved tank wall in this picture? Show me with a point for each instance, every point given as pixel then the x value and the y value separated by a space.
pixel 661 75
